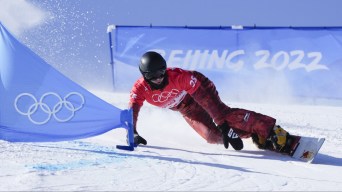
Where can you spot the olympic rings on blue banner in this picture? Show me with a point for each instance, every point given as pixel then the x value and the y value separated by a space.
pixel 49 110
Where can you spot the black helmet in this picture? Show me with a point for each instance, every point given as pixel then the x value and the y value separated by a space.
pixel 151 62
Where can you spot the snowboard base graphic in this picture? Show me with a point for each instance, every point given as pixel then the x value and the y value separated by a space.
pixel 307 148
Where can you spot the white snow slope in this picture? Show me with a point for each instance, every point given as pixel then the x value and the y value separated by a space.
pixel 176 158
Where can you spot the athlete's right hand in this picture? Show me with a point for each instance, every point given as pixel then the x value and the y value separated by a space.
pixel 230 137
pixel 139 140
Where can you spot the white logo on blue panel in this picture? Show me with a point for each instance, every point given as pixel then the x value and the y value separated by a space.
pixel 51 110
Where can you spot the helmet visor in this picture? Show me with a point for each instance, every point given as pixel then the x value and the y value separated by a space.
pixel 154 75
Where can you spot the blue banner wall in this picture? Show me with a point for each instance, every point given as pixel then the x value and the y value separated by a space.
pixel 37 103
pixel 245 63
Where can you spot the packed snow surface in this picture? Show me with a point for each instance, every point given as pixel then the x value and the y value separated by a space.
pixel 176 158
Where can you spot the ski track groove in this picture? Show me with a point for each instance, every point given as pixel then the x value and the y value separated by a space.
pixel 172 180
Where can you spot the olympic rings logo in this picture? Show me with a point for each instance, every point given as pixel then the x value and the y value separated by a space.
pixel 164 96
pixel 61 104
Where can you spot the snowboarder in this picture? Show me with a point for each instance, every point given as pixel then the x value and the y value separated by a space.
pixel 196 98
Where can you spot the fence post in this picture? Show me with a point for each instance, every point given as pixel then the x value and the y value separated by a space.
pixel 110 28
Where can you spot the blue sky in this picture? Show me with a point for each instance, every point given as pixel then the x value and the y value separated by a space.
pixel 71 35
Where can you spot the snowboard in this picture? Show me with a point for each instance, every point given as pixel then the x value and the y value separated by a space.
pixel 306 148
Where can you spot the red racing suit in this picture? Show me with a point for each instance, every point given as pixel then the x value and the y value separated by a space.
pixel 196 98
